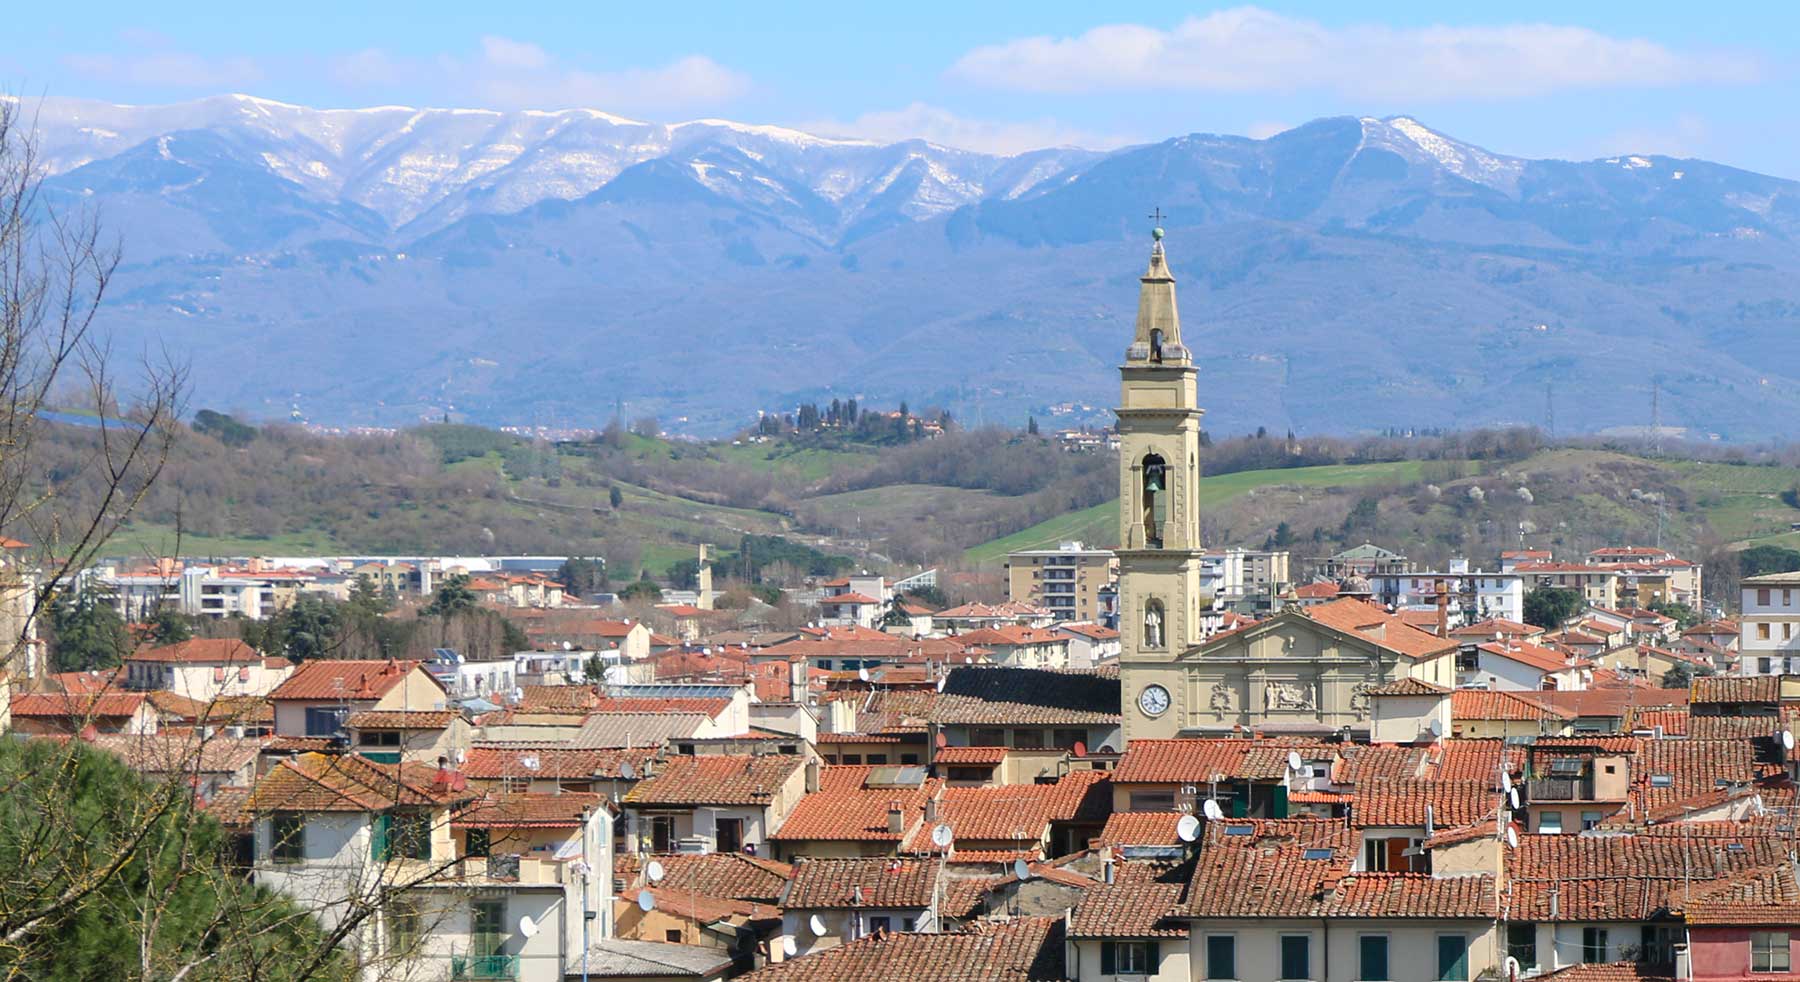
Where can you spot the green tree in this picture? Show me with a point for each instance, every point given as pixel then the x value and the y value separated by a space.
pixel 615 497
pixel 367 598
pixel 581 576
pixel 310 627
pixel 1548 606
pixel 453 596
pixel 113 877
pixel 1758 560
pixel 1284 536
pixel 1685 616
pixel 1683 675
pixel 1031 426
pixel 170 626
pixel 225 429
pixel 89 633
pixel 641 590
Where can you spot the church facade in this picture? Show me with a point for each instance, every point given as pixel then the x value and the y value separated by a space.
pixel 1300 671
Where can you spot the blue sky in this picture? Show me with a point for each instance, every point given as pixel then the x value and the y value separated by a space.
pixel 1568 80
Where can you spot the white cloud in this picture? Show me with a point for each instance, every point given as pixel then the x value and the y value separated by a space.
pixel 1265 129
pixel 506 53
pixel 1248 49
pixel 919 121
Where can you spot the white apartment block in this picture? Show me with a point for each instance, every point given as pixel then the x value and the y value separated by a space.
pixel 1769 629
pixel 1473 595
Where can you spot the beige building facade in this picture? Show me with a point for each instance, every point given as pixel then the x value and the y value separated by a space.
pixel 1068 581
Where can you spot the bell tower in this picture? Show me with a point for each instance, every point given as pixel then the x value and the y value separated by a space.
pixel 1160 600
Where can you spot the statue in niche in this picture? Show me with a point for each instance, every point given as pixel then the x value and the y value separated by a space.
pixel 1153 624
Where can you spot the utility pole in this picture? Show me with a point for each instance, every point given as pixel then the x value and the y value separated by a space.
pixel 1549 409
pixel 1656 417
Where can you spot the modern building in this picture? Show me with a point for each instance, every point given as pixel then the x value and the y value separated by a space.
pixel 1470 595
pixel 1769 629
pixel 1068 581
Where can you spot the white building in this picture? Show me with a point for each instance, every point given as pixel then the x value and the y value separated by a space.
pixel 1473 595
pixel 1769 629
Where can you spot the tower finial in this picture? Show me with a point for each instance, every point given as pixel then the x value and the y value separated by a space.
pixel 1156 215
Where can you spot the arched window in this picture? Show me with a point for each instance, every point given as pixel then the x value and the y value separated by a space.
pixel 1155 624
pixel 1154 495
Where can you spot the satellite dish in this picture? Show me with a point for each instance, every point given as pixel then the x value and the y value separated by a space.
pixel 862 672
pixel 1021 869
pixel 968 659
pixel 942 740
pixel 626 771
pixel 942 681
pixel 459 658
pixel 817 925
pixel 1505 781
pixel 654 871
pixel 941 836
pixel 1212 810
pixel 518 694
pixel 1080 749
pixel 1294 761
pixel 646 902
pixel 707 651
pixel 1787 739
pixel 1512 838
pixel 530 763
pixel 1188 827
pixel 1513 969
pixel 1436 726
pixel 788 947
pixel 528 927
pixel 462 755
pixel 1512 798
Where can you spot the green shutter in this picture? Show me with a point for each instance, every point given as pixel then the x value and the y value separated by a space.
pixel 1108 959
pixel 1374 950
pixel 1280 804
pixel 1453 957
pixel 381 837
pixel 1155 961
pixel 1221 957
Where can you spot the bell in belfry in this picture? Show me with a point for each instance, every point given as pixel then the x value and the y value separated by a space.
pixel 1153 477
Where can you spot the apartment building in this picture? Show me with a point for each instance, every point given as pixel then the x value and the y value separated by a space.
pixel 1068 581
pixel 1769 630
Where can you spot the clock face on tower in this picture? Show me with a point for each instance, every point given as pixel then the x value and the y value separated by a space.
pixel 1154 700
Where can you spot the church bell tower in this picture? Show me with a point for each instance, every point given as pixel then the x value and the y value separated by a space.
pixel 1160 600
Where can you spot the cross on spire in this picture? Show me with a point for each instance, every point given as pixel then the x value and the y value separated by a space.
pixel 1156 215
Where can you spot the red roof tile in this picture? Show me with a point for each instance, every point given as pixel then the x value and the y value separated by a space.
pixel 554 762
pixel 1136 904
pixel 201 651
pixel 522 811
pixel 883 882
pixel 1025 950
pixel 358 680
pixel 722 779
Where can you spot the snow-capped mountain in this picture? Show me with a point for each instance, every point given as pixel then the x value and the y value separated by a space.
pixel 422 169
pixel 1348 273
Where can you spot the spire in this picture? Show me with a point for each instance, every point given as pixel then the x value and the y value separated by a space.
pixel 1158 336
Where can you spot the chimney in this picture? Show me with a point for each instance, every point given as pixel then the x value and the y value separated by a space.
pixel 812 776
pixel 1443 609
pixel 1555 902
pixel 896 819
pixel 1107 867
pixel 931 811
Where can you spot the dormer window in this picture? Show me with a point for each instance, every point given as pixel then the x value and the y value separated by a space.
pixel 1662 780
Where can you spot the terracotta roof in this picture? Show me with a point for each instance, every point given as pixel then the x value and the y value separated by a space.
pixel 527 811
pixel 1495 625
pixel 1016 814
pixel 885 882
pixel 722 779
pixel 1135 905
pixel 1732 727
pixel 1012 635
pixel 1409 686
pixel 1025 950
pixel 556 698
pixel 848 597
pixel 242 709
pixel 1184 761
pixel 402 719
pixel 229 805
pixel 1025 696
pixel 730 875
pixel 1606 972
pixel 1096 632
pixel 1404 803
pixel 1482 704
pixel 1736 688
pixel 1474 760
pixel 201 651
pixel 315 782
pixel 359 680
pixel 1625 877
pixel 1316 591
pixel 164 753
pixel 969 755
pixel 845 808
pixel 89 681
pixel 76 706
pixel 1674 721
pixel 1530 655
pixel 1764 896
pixel 1358 764
pixel 1140 829
pixel 1693 767
pixel 650 705
pixel 555 762
pixel 1366 620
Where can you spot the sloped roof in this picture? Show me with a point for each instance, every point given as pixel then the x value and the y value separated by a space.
pixel 402 719
pixel 1137 904
pixel 846 809
pixel 1391 803
pixel 75 706
pixel 1025 950
pixel 1378 626
pixel 719 874
pixel 1485 704
pixel 1140 829
pixel 1767 895
pixel 1196 759
pixel 884 882
pixel 528 811
pixel 555 761
pixel 1714 689
pixel 987 695
pixel 1625 877
pixel 716 779
pixel 358 680
pixel 314 782
pixel 201 651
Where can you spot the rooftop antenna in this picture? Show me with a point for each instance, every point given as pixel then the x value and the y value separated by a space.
pixel 1656 417
pixel 1550 409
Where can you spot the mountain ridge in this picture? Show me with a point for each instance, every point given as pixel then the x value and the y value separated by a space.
pixel 703 271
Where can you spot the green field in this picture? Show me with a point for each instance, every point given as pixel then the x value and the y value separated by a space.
pixel 1099 525
pixel 150 541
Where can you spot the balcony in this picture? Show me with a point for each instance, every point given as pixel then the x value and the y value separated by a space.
pixel 484 966
pixel 1561 789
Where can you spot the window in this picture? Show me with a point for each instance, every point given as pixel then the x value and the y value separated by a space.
pixel 907 923
pixel 987 736
pixel 1128 957
pixel 1589 820
pixel 878 758
pixel 405 923
pixel 1593 945
pixel 824 664
pixel 324 721
pixel 1389 856
pixel 662 833
pixel 853 758
pixel 1372 958
pixel 1221 956
pixel 909 758
pixel 1028 739
pixel 1762 631
pixel 1067 739
pixel 1550 823
pixel 476 842
pixel 728 834
pixel 287 831
pixel 971 773
pixel 1453 957
pixel 379 738
pixel 672 935
pixel 880 925
pixel 1768 951
pixel 1153 801
pixel 487 933
pixel 1296 956
pixel 1766 665
pixel 1521 943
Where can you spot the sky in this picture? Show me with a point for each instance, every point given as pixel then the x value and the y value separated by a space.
pixel 1533 79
